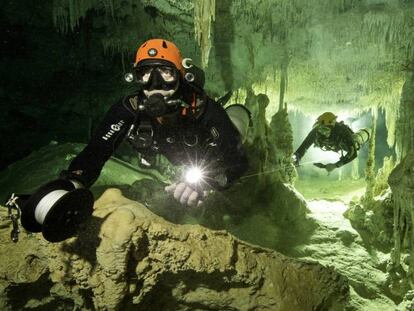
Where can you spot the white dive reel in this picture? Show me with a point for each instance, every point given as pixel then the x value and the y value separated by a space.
pixel 57 209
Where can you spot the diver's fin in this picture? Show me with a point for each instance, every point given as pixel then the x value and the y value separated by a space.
pixel 320 165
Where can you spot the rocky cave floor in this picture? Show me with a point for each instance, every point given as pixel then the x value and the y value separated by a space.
pixel 333 243
pixel 336 243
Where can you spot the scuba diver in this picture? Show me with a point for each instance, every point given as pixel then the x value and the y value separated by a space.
pixel 330 135
pixel 169 114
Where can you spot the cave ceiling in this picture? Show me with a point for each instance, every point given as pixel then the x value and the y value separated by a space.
pixel 349 55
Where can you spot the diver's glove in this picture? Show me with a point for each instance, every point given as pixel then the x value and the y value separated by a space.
pixel 187 194
pixel 195 185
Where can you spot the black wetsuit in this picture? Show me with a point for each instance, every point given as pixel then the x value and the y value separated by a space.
pixel 210 136
pixel 340 140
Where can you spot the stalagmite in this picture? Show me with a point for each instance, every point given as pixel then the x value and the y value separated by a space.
pixel 282 141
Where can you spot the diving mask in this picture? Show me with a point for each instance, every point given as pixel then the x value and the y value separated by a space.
pixel 157 75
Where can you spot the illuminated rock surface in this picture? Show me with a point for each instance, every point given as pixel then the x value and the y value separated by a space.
pixel 336 243
pixel 129 256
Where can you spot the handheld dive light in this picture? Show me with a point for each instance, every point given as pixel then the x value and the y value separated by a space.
pixel 194 175
pixel 201 179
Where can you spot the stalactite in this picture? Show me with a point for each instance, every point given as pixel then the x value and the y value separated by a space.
pixel 405 121
pixel 109 5
pixel 391 116
pixel 283 80
pixel 388 28
pixel 369 73
pixel 60 18
pixel 68 13
pixel 370 169
pixel 204 16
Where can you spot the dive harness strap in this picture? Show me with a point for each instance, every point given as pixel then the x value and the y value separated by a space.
pixel 141 136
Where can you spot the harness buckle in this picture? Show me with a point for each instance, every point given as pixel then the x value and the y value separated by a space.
pixel 144 135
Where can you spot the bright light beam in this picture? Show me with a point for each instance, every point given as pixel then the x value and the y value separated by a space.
pixel 194 175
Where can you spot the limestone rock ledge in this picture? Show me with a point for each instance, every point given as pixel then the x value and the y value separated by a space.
pixel 129 258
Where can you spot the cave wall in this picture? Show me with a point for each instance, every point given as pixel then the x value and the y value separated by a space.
pixel 49 79
pixel 63 60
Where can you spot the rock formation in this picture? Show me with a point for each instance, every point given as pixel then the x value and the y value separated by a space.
pixel 401 182
pixel 129 258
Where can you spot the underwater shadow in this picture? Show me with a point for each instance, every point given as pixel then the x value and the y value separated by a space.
pixel 87 240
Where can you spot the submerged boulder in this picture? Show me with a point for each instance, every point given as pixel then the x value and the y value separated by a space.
pixel 129 257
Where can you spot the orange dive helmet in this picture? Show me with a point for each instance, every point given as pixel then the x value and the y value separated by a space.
pixel 159 50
